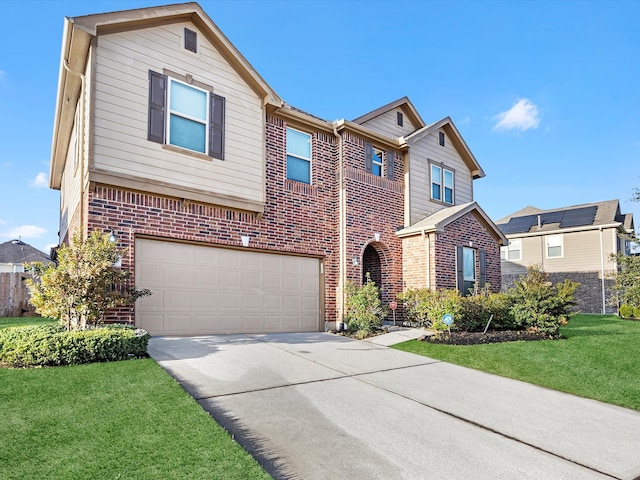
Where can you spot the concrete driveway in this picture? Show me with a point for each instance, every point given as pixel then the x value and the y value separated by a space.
pixel 319 406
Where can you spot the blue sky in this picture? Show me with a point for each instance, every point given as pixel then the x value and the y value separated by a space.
pixel 545 93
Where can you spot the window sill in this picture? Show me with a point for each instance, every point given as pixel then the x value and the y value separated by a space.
pixel 184 151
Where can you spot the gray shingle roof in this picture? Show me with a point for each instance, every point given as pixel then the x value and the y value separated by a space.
pixel 16 251
pixel 606 213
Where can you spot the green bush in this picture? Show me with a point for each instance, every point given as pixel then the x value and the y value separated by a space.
pixel 48 345
pixel 476 310
pixel 540 306
pixel 426 307
pixel 626 311
pixel 364 310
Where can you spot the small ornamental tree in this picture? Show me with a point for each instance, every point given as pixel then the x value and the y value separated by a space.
pixel 84 284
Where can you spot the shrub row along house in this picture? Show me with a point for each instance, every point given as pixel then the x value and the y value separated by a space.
pixel 240 212
pixel 574 242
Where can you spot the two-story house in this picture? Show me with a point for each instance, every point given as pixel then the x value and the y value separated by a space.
pixel 239 212
pixel 574 243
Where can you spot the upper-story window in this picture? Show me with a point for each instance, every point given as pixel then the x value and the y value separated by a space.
pixel 298 156
pixel 513 251
pixel 188 116
pixel 554 246
pixel 442 184
pixel 379 162
pixel 377 159
pixel 185 116
pixel 441 139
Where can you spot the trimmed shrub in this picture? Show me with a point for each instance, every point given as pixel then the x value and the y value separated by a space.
pixel 476 310
pixel 426 307
pixel 626 310
pixel 49 345
pixel 364 310
pixel 540 306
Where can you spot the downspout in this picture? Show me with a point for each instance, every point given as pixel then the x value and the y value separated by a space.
pixel 80 141
pixel 342 234
pixel 428 242
pixel 602 269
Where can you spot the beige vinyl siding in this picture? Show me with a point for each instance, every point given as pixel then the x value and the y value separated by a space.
pixel 423 152
pixel 387 124
pixel 121 101
pixel 581 253
pixel 70 188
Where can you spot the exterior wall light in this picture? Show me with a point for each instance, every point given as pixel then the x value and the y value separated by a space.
pixel 355 261
pixel 112 237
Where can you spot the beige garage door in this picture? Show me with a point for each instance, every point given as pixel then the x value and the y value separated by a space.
pixel 209 290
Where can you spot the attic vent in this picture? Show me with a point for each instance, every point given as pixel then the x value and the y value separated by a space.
pixel 190 40
pixel 441 138
pixel 399 119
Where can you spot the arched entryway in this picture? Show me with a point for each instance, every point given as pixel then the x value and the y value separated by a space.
pixel 371 264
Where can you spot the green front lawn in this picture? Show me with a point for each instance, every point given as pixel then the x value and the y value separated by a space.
pixel 17 322
pixel 599 359
pixel 117 420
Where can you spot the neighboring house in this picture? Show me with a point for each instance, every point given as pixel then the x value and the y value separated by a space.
pixel 240 212
pixel 14 294
pixel 572 242
pixel 15 253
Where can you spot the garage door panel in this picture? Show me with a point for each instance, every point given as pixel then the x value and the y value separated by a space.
pixel 271 303
pixel 204 300
pixel 177 299
pixel 150 274
pixel 207 290
pixel 251 280
pixel 205 276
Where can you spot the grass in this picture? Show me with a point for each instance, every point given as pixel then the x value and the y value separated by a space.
pixel 117 420
pixel 598 359
pixel 16 322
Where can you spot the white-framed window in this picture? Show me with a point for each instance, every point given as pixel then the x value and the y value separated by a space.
pixel 298 156
pixel 188 116
pixel 513 251
pixel 554 246
pixel 442 184
pixel 377 159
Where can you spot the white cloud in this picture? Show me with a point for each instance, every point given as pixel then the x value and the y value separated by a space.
pixel 24 231
pixel 41 181
pixel 522 116
pixel 3 74
pixel 7 164
pixel 465 121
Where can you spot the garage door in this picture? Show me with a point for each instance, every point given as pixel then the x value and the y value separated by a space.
pixel 211 290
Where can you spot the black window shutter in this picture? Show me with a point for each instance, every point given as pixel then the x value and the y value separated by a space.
pixel 460 268
pixel 190 40
pixel 483 267
pixel 157 101
pixel 368 157
pixel 391 155
pixel 216 126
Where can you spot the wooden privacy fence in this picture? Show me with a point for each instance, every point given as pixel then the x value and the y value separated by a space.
pixel 14 295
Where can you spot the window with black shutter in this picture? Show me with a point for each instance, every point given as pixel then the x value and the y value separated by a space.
pixel 185 116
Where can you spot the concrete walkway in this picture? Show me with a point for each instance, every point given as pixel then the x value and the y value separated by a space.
pixel 321 406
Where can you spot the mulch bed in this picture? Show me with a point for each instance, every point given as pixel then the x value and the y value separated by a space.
pixel 475 338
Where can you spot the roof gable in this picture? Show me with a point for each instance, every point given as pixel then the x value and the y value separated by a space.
pixel 439 220
pixel 402 103
pixel 456 139
pixel 77 37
